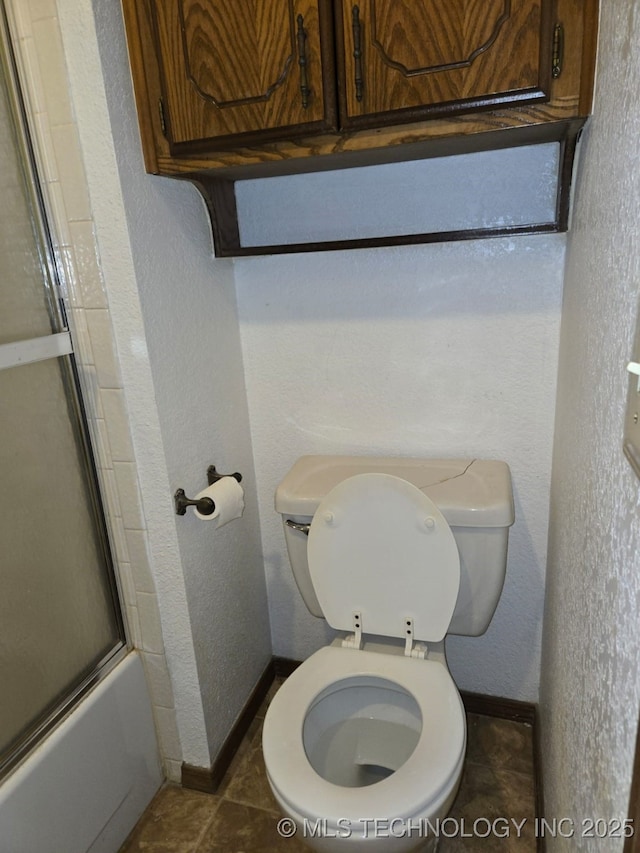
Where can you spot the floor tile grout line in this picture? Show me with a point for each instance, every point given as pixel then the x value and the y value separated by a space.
pixel 469 762
pixel 207 824
pixel 252 806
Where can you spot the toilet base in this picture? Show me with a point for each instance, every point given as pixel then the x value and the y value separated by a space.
pixel 319 836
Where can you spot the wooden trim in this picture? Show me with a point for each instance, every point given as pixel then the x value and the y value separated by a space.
pixel 632 845
pixel 143 91
pixel 476 131
pixel 496 706
pixel 409 115
pixel 565 175
pixel 217 189
pixel 220 199
pixel 589 55
pixel 541 841
pixel 396 240
pixel 208 779
pixel 412 148
pixel 285 666
pixel 248 139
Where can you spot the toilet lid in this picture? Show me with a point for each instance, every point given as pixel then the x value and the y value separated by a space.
pixel 380 548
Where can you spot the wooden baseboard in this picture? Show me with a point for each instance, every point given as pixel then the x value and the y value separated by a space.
pixel 285 666
pixel 497 706
pixel 632 844
pixel 208 779
pixel 541 844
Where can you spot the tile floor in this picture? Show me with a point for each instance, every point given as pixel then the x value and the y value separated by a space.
pixel 497 785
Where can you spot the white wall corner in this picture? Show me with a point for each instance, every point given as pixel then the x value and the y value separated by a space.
pixel 90 108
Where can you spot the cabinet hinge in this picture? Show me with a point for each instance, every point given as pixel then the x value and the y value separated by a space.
pixel 163 123
pixel 558 51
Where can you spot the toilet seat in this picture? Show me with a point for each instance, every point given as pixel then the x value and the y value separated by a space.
pixel 381 557
pixel 429 773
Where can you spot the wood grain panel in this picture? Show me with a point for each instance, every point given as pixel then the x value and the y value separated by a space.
pixel 385 145
pixel 230 69
pixel 425 57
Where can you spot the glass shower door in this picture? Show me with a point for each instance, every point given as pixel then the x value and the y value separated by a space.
pixel 60 621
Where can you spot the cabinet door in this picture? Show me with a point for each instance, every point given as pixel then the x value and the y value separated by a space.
pixel 233 70
pixel 403 60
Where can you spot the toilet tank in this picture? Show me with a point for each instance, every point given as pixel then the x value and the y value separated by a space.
pixel 474 495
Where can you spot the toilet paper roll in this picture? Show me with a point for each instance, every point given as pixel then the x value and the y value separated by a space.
pixel 228 496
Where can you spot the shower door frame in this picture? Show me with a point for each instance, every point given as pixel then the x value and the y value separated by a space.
pixel 58 345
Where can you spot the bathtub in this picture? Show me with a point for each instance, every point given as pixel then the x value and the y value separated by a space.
pixel 85 786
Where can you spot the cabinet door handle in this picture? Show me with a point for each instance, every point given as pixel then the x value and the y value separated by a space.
pixel 305 91
pixel 357 51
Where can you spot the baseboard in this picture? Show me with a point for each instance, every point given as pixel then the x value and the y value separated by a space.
pixel 208 779
pixel 541 844
pixel 497 706
pixel 632 844
pixel 284 666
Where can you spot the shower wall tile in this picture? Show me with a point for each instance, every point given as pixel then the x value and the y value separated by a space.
pixel 134 626
pixel 105 359
pixel 110 493
pixel 68 155
pixel 66 270
pixel 150 622
pixel 91 285
pixel 113 404
pixel 129 494
pixel 42 9
pixel 53 70
pixel 119 543
pixel 173 770
pixel 41 121
pixel 54 201
pixel 126 584
pixel 23 24
pixel 101 444
pixel 167 729
pixel 41 61
pixel 81 339
pixel 137 545
pixel 92 397
pixel 31 70
pixel 158 678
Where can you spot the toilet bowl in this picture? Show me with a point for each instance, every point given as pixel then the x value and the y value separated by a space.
pixel 364 743
pixel 365 749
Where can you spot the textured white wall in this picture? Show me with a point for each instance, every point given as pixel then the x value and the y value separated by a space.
pixel 174 310
pixel 443 350
pixel 590 686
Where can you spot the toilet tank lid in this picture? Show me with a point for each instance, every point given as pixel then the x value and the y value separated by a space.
pixel 468 492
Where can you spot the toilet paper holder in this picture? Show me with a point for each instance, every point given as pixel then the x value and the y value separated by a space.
pixel 205 505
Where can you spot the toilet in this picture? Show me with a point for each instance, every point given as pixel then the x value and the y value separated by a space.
pixel 364 743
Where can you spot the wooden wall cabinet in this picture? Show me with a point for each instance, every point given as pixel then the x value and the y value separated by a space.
pixel 402 61
pixel 242 70
pixel 250 88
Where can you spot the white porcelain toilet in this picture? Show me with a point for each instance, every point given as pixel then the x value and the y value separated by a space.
pixel 364 743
